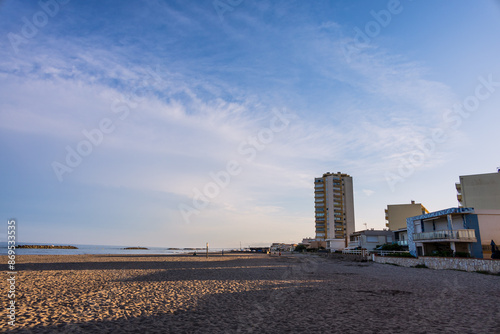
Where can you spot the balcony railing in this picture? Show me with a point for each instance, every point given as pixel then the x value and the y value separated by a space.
pixel 458 235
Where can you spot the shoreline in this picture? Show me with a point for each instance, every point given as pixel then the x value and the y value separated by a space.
pixel 252 292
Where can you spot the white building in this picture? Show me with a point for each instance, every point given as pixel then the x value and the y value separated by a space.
pixel 334 209
pixel 370 239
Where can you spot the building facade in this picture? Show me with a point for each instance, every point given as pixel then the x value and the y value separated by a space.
pixel 446 232
pixel 489 227
pixel 481 191
pixel 396 214
pixel 370 239
pixel 334 209
pixel 401 237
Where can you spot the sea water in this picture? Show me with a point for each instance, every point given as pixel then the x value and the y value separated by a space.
pixel 103 249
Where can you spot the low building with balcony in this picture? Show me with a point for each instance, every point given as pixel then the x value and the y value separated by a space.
pixel 401 237
pixel 369 239
pixel 450 231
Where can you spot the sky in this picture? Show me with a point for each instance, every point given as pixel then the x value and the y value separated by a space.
pixel 176 123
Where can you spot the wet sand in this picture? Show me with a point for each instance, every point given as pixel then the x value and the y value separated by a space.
pixel 245 294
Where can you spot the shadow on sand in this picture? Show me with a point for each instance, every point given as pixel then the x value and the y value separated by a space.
pixel 242 312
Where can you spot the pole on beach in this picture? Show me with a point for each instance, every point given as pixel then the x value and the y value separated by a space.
pixel 207 250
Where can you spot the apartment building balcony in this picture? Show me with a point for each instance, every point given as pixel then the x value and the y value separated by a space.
pixel 354 244
pixel 402 242
pixel 446 235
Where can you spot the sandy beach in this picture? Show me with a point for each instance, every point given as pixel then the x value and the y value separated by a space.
pixel 238 293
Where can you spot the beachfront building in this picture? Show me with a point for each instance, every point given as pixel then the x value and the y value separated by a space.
pixel 396 214
pixel 401 237
pixel 481 191
pixel 334 209
pixel 310 243
pixel 489 227
pixel 258 249
pixel 446 232
pixel 370 239
pixel 281 247
pixel 307 241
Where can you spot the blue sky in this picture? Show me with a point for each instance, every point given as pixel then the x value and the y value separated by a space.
pixel 174 123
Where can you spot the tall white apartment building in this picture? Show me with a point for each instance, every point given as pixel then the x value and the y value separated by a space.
pixel 334 209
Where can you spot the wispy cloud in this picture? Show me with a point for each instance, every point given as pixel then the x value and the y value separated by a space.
pixel 194 89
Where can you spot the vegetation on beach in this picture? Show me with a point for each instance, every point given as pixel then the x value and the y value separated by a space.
pixel 390 247
pixel 399 255
pixel 46 247
pixel 300 248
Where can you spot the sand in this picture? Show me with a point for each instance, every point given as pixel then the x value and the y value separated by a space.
pixel 246 294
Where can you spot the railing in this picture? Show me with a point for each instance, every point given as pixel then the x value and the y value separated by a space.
pixel 362 252
pixel 463 235
pixel 366 253
pixel 385 252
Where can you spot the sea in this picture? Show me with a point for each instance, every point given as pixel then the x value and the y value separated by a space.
pixel 104 249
